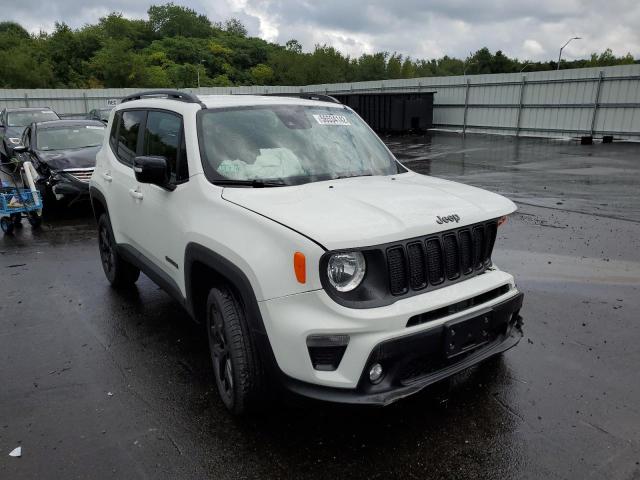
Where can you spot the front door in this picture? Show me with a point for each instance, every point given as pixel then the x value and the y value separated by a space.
pixel 159 226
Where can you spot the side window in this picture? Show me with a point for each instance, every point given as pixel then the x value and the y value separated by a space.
pixel 163 137
pixel 113 135
pixel 128 128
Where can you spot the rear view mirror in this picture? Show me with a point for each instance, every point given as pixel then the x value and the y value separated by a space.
pixel 153 170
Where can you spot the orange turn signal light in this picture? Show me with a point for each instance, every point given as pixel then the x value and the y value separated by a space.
pixel 300 267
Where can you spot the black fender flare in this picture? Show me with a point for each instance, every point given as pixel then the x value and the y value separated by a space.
pixel 195 252
pixel 96 195
pixel 237 279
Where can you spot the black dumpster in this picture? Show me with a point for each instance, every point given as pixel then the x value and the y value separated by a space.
pixel 392 112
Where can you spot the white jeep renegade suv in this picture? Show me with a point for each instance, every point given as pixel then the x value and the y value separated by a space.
pixel 315 259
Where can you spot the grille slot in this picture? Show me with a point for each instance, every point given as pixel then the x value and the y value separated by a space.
pixel 397 265
pixel 466 251
pixel 491 233
pixel 451 256
pixel 417 273
pixel 478 247
pixel 440 259
pixel 434 261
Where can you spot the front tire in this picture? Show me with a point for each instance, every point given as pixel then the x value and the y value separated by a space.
pixel 118 271
pixel 238 372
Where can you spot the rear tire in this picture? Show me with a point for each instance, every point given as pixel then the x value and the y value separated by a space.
pixel 118 271
pixel 238 372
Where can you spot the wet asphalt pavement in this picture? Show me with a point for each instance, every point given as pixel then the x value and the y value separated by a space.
pixel 100 384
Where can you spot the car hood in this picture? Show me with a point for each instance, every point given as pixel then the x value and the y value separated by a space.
pixel 364 211
pixel 72 158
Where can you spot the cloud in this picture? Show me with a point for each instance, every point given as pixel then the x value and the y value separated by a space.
pixel 532 48
pixel 528 29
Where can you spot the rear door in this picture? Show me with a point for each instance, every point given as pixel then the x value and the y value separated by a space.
pixel 123 195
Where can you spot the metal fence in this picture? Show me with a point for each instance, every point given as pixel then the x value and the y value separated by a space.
pixel 587 101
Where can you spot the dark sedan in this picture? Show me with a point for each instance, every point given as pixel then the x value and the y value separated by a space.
pixel 13 121
pixel 63 153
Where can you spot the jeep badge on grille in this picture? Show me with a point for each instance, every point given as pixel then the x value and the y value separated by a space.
pixel 447 219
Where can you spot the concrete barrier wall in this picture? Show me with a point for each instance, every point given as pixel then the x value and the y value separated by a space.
pixel 588 101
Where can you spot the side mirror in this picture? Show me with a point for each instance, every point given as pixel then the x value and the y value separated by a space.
pixel 19 149
pixel 154 170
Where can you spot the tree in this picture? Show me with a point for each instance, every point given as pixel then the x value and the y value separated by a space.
pixel 235 27
pixel 408 69
pixel 116 65
pixel 261 74
pixel 372 67
pixel 175 43
pixel 172 20
pixel 14 30
pixel 25 66
pixel 294 46
pixel 394 66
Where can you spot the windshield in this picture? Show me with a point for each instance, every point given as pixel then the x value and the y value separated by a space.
pixel 62 138
pixel 290 144
pixel 26 118
pixel 103 114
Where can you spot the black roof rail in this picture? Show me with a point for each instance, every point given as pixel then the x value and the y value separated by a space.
pixel 170 94
pixel 320 97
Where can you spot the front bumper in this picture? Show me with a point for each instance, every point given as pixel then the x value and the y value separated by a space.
pixel 418 360
pixel 66 183
pixel 290 321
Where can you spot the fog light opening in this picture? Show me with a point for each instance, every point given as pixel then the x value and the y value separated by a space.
pixel 376 373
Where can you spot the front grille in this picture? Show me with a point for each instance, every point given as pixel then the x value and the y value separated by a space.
pixel 440 259
pixel 81 174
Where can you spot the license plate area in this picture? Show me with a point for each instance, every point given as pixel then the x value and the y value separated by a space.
pixel 464 335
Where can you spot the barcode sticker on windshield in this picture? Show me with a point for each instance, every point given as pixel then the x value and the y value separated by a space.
pixel 94 127
pixel 327 119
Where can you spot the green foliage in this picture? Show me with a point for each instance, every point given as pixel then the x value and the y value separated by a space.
pixel 172 20
pixel 176 45
pixel 261 74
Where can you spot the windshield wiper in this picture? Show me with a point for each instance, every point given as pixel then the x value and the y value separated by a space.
pixel 250 183
pixel 339 177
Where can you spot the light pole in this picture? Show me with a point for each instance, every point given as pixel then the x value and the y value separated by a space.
pixel 562 48
pixel 199 72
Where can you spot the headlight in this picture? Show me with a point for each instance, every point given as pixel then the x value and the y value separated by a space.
pixel 346 270
pixel 15 141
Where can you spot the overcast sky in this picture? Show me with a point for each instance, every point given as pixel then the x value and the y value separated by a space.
pixel 528 29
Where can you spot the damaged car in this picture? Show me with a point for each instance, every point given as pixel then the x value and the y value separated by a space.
pixel 13 122
pixel 318 263
pixel 63 153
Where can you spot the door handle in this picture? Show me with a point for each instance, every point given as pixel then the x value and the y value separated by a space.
pixel 107 176
pixel 136 194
